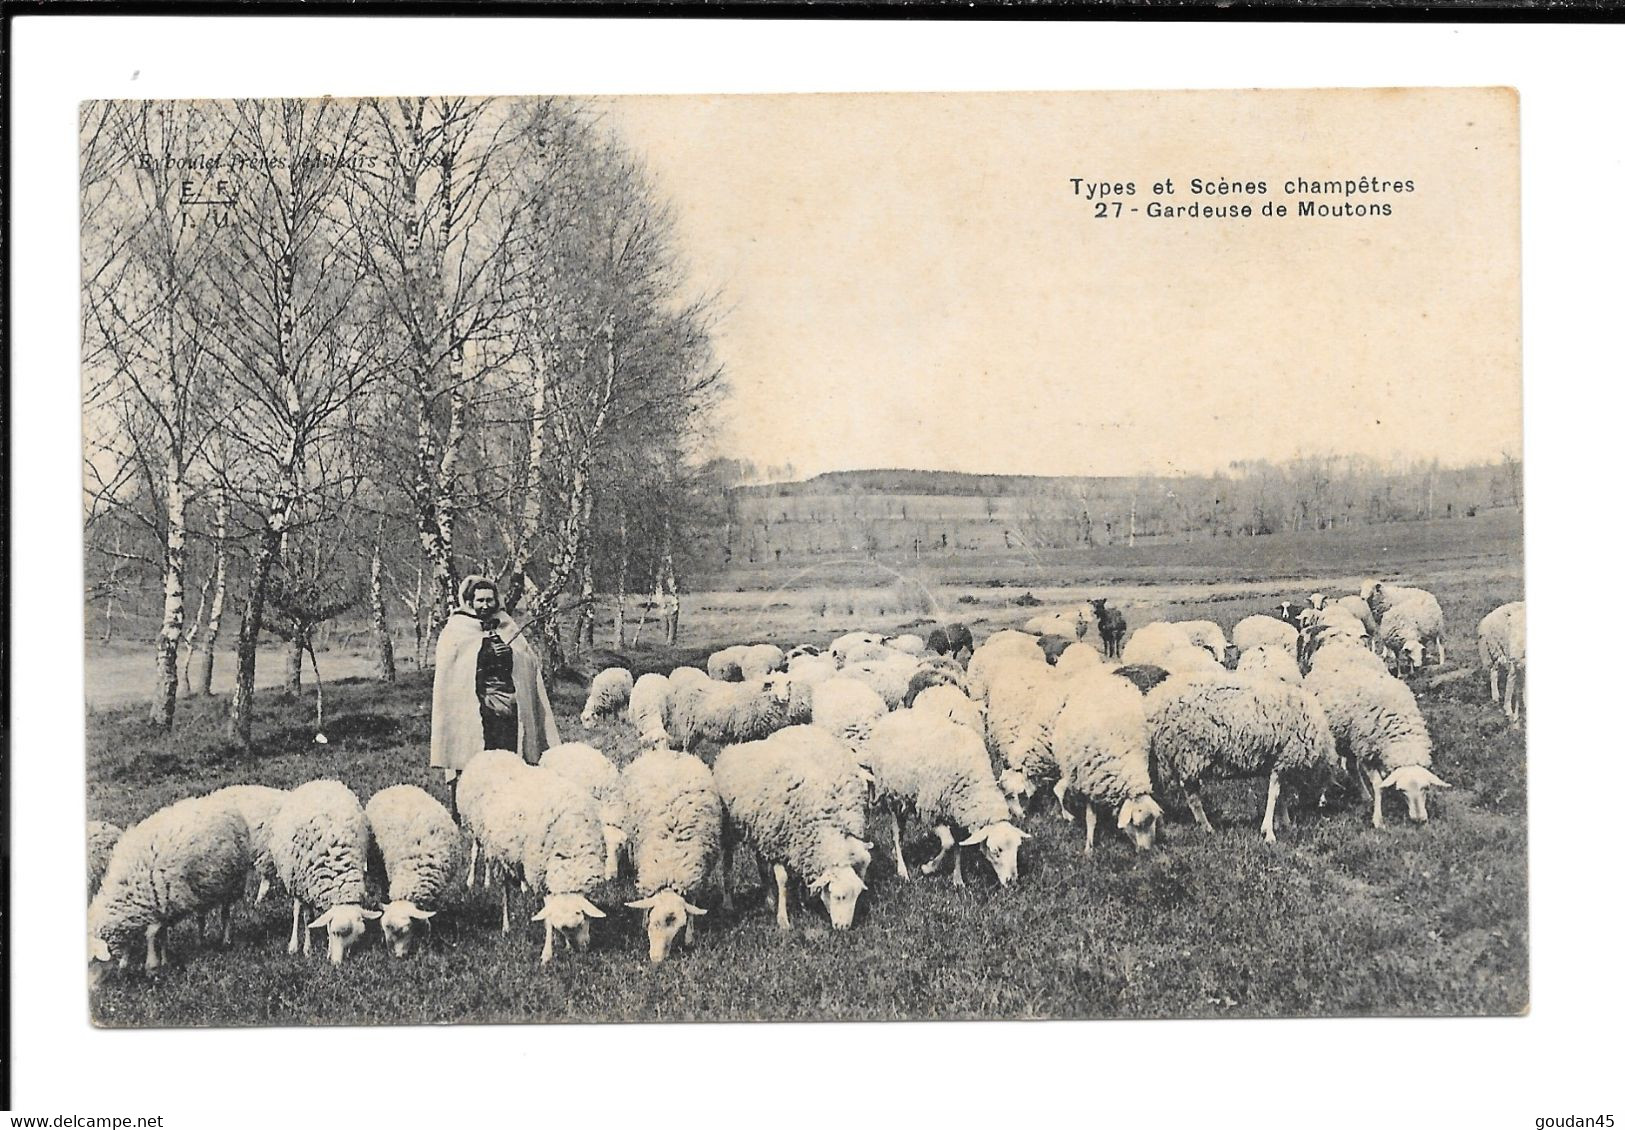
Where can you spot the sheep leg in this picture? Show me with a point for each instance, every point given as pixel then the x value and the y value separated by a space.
pixel 1376 798
pixel 1495 683
pixel 1440 642
pixel 1089 819
pixel 897 847
pixel 307 939
pixel 505 922
pixel 225 925
pixel 725 870
pixel 473 859
pixel 1194 799
pixel 547 946
pixel 688 931
pixel 945 837
pixel 782 877
pixel 154 956
pixel 293 938
pixel 1060 801
pixel 265 889
pixel 1270 798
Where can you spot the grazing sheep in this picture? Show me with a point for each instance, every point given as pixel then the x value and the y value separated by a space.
pixel 1054 647
pixel 553 835
pixel 846 708
pixel 1146 677
pixel 907 643
pixel 488 778
pixel 854 647
pixel 258 806
pixel 1262 631
pixel 797 797
pixel 183 859
pixel 1360 610
pixel 1070 625
pixel 319 843
pixel 1380 596
pixel 1288 611
pixel 934 671
pixel 1237 727
pixel 1001 651
pixel 806 672
pixel 725 713
pixel 1381 733
pixel 587 767
pixel 1409 629
pixel 674 821
pixel 940 770
pixel 1112 627
pixel 725 665
pixel 1102 749
pixel 1270 663
pixel 1206 635
pixel 1189 660
pixel 888 677
pixel 1342 653
pixel 1022 704
pixel 418 844
pixel 681 677
pixel 647 708
pixel 760 660
pixel 1150 643
pixel 951 641
pixel 610 695
pixel 1501 649
pixel 1078 657
pixel 100 837
pixel 953 704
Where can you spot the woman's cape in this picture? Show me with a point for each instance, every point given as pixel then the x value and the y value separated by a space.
pixel 456 733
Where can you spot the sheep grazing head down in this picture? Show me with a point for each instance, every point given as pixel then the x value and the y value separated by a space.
pixel 1414 781
pixel 1140 818
pixel 1016 787
pixel 570 915
pixel 838 889
pixel 999 842
pixel 344 925
pixel 399 925
pixel 669 914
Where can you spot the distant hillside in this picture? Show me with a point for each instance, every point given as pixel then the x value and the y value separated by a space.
pixel 956 483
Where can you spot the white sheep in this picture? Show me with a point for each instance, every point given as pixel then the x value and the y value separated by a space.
pixel 609 696
pixel 908 643
pixel 1078 657
pixel 1380 730
pixel 797 797
pixel 1501 649
pixel 681 677
pixel 1237 727
pixel 1261 631
pixel 889 677
pixel 726 665
pixel 953 704
pixel 1151 642
pixel 319 843
pixel 418 844
pixel 1342 653
pixel 934 671
pixel 1380 596
pixel 855 647
pixel 846 708
pixel 1409 629
pixel 1102 748
pixel 1002 649
pixel 724 713
pixel 1271 663
pixel 182 860
pixel 940 770
pixel 100 839
pixel 646 706
pixel 1357 607
pixel 1206 635
pixel 674 820
pixel 596 773
pixel 1073 625
pixel 258 805
pixel 806 672
pixel 1023 701
pixel 488 778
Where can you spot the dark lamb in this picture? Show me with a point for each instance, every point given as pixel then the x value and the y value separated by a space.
pixel 1112 628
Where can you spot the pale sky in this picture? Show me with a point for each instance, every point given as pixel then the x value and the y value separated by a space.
pixel 910 281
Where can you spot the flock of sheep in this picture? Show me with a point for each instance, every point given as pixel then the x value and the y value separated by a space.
pixel 790 754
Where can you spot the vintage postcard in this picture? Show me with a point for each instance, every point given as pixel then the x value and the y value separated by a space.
pixel 804 557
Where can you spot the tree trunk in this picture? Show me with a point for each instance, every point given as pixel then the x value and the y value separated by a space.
pixel 676 607
pixel 169 631
pixel 294 683
pixel 184 666
pixel 530 514
pixel 585 626
pixel 620 588
pixel 380 618
pixel 217 603
pixel 248 636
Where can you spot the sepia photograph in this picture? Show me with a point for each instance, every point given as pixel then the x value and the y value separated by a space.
pixel 803 557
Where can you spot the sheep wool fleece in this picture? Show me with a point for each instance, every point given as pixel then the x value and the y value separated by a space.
pixel 320 841
pixel 418 842
pixel 676 821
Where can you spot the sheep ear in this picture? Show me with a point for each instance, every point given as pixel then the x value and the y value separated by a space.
pixel 365 913
pixel 975 838
pixel 99 950
pixel 590 910
pixel 1024 834
pixel 321 923
pixel 1122 817
pixel 423 914
pixel 1434 781
pixel 692 909
pixel 641 904
pixel 819 883
pixel 1388 781
pixel 540 915
pixel 867 846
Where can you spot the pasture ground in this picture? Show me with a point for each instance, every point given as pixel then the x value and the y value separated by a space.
pixel 1337 918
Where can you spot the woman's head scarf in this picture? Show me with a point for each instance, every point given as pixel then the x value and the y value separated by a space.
pixel 465 591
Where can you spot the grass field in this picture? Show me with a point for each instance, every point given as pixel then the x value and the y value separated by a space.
pixel 1336 919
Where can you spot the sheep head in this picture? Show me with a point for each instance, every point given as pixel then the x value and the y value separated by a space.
pixel 999 843
pixel 344 925
pixel 571 915
pixel 399 925
pixel 838 889
pixel 1414 781
pixel 1140 818
pixel 1016 787
pixel 668 914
